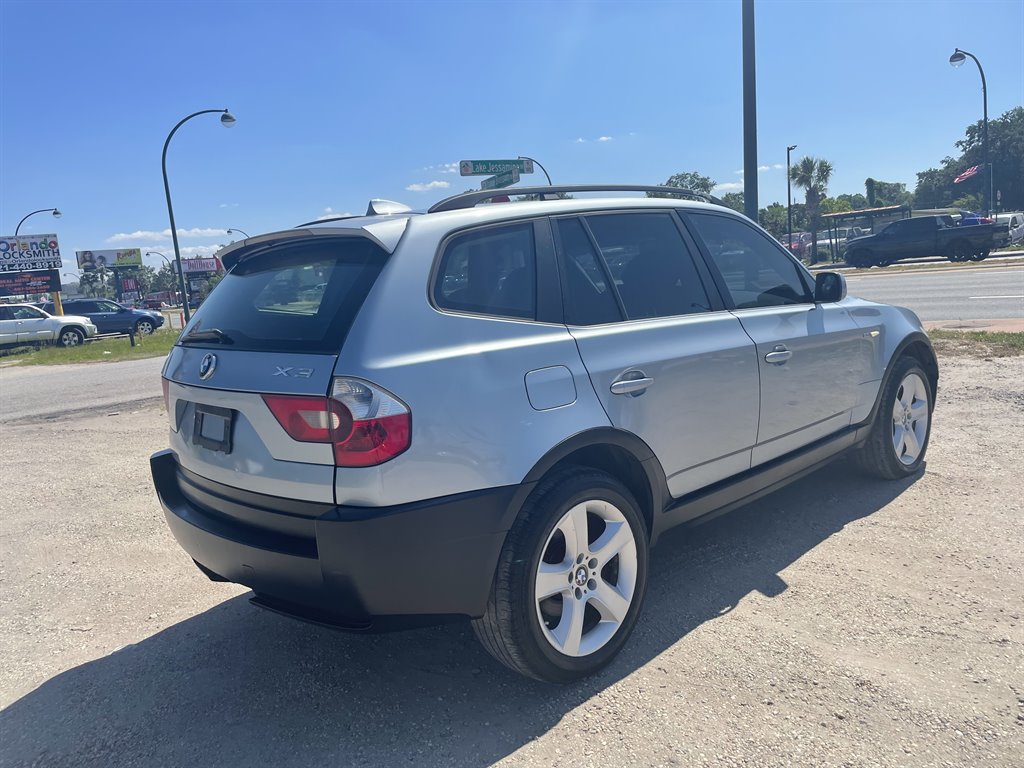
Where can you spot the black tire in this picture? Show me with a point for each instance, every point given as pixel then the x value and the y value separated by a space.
pixel 511 628
pixel 70 337
pixel 878 456
pixel 980 256
pixel 144 328
pixel 961 251
pixel 861 258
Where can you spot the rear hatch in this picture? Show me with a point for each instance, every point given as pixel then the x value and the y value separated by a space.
pixel 273 327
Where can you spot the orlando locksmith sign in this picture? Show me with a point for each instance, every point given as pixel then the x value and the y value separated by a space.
pixel 29 253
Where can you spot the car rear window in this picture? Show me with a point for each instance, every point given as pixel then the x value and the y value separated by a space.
pixel 300 297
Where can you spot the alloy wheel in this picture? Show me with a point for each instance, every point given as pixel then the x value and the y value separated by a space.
pixel 910 418
pixel 586 578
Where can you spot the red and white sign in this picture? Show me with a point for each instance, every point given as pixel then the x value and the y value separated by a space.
pixel 200 265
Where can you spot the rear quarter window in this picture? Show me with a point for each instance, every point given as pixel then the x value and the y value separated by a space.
pixel 299 297
pixel 490 271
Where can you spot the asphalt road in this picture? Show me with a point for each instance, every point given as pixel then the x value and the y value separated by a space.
pixel 953 293
pixel 44 391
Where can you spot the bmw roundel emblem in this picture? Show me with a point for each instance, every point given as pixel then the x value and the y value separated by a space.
pixel 207 367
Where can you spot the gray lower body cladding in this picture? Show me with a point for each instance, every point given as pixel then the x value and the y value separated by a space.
pixel 359 568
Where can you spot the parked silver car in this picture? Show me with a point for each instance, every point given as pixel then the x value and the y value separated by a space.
pixel 493 411
pixel 26 324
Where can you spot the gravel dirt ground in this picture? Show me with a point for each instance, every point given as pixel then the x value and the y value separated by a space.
pixel 840 622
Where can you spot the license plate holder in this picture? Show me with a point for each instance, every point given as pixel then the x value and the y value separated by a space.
pixel 212 428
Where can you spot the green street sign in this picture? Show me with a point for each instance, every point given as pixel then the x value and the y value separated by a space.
pixel 501 180
pixel 489 167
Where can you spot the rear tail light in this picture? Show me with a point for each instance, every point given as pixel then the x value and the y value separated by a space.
pixel 167 393
pixel 366 424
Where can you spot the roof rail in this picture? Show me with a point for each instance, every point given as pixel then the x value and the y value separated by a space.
pixel 470 199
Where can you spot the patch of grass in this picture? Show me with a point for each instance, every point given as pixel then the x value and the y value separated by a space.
pixel 157 344
pixel 977 343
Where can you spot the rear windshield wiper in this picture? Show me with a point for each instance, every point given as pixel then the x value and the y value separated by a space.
pixel 208 334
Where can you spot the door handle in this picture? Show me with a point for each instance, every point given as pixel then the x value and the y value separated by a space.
pixel 778 356
pixel 631 383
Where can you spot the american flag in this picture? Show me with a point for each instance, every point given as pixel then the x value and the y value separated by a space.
pixel 972 171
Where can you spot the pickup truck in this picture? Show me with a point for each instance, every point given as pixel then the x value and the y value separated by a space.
pixel 25 324
pixel 921 236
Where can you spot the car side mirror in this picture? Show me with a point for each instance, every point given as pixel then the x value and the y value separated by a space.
pixel 829 287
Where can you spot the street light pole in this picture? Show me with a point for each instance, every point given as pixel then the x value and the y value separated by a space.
pixel 789 201
pixel 227 120
pixel 956 60
pixel 58 307
pixel 56 214
pixel 243 234
pixel 524 157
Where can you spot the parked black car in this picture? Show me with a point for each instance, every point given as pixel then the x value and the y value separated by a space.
pixel 110 317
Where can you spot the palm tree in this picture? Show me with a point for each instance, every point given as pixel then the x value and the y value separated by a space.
pixel 812 175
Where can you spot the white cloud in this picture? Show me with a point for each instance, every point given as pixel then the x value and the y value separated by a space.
pixel 228 205
pixel 775 167
pixel 581 140
pixel 330 213
pixel 450 168
pixel 729 186
pixel 428 186
pixel 604 138
pixel 165 234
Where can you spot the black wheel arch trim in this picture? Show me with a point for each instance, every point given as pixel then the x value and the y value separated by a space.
pixel 598 437
pixel 930 365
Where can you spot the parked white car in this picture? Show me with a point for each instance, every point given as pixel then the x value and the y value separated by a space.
pixel 1014 222
pixel 26 324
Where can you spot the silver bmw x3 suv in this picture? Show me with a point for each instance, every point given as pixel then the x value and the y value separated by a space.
pixel 492 411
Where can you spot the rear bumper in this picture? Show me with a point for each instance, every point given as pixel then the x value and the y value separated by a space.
pixel 358 568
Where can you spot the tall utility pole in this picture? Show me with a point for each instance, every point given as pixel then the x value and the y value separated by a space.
pixel 789 200
pixel 749 114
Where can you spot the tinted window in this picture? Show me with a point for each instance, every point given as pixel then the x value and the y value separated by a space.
pixel 27 313
pixel 300 297
pixel 490 271
pixel 586 297
pixel 5 313
pixel 650 264
pixel 755 271
pixel 108 306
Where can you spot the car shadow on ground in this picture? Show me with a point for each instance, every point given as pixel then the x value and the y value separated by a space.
pixel 237 686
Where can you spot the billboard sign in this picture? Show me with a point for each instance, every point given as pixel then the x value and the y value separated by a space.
pixel 89 261
pixel 27 283
pixel 30 252
pixel 200 265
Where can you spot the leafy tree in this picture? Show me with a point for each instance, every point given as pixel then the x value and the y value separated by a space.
pixel 164 280
pixel 145 275
pixel 89 284
pixel 812 175
pixel 856 201
pixel 691 180
pixel 773 218
pixel 734 200
pixel 967 202
pixel 835 205
pixel 882 193
pixel 935 187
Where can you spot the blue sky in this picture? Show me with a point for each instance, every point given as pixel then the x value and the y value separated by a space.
pixel 340 102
